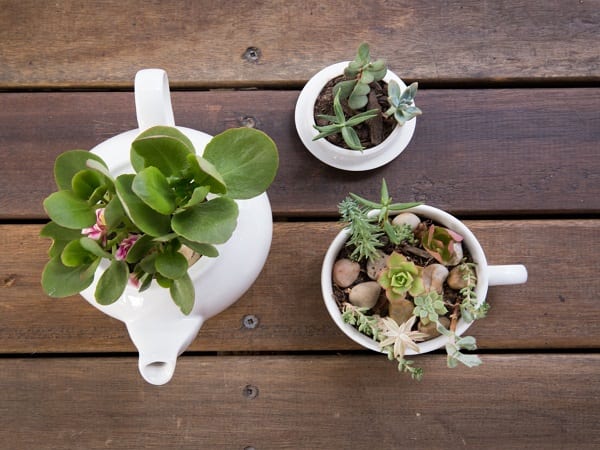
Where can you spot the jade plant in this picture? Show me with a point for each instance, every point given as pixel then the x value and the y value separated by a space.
pixel 355 92
pixel 427 280
pixel 150 225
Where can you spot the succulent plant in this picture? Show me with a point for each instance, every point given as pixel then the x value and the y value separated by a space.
pixel 402 102
pixel 443 244
pixel 360 73
pixel 429 307
pixel 400 277
pixel 385 206
pixel 339 124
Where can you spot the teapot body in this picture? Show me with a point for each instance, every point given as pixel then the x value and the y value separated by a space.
pixel 157 327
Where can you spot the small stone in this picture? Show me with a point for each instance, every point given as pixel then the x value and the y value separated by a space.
pixel 401 310
pixel 458 254
pixel 431 328
pixel 376 265
pixel 345 272
pixel 433 277
pixel 456 279
pixel 407 218
pixel 365 295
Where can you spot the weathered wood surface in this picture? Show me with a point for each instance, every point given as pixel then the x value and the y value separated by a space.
pixel 557 308
pixel 475 152
pixel 203 43
pixel 302 402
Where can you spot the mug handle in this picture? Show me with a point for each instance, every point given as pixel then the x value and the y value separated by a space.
pixel 153 99
pixel 507 274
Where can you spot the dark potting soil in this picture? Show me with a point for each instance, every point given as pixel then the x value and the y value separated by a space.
pixel 372 132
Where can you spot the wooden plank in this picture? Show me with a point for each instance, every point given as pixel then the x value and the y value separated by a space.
pixel 294 402
pixel 96 44
pixel 475 152
pixel 556 308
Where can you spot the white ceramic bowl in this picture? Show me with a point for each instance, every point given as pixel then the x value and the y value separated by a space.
pixel 333 155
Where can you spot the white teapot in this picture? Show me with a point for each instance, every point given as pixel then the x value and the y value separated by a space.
pixel 155 324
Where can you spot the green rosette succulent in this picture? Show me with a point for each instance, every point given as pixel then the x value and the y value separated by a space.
pixel 400 277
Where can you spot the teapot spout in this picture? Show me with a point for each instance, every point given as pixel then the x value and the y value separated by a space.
pixel 159 344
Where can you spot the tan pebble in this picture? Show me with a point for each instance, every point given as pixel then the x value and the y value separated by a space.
pixel 365 295
pixel 345 272
pixel 401 310
pixel 376 265
pixel 456 278
pixel 433 277
pixel 407 218
pixel 458 254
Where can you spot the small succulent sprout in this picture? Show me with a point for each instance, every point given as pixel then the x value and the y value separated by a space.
pixel 429 307
pixel 443 244
pixel 401 276
pixel 402 103
pixel 359 74
pixel 339 124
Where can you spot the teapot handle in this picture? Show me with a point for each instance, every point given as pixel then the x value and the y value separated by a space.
pixel 153 99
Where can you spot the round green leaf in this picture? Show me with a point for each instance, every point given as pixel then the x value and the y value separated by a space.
pixel 246 158
pixel 112 283
pixel 94 248
pixel 171 264
pixel 54 231
pixel 59 280
pixel 205 174
pixel 153 188
pixel 114 213
pixel 147 264
pixel 165 148
pixel 203 249
pixel 182 293
pixel 69 163
pixel 199 195
pixel 211 222
pixel 145 218
pixel 74 254
pixel 86 182
pixel 140 249
pixel 69 211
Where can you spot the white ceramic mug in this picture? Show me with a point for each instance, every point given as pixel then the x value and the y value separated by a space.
pixel 155 324
pixel 486 276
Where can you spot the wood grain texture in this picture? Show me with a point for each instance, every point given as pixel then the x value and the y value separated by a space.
pixel 550 311
pixel 302 402
pixel 202 43
pixel 474 152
